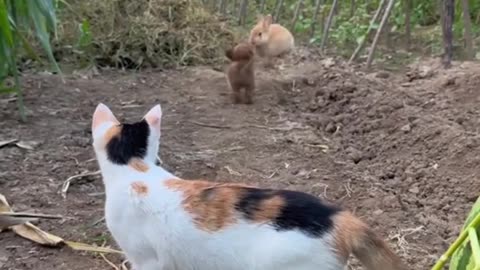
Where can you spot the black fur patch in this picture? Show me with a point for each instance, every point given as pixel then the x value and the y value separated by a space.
pixel 302 211
pixel 130 143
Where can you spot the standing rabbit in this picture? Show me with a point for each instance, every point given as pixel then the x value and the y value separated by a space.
pixel 240 72
pixel 271 39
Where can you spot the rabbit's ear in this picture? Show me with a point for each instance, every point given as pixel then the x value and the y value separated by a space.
pixel 260 18
pixel 267 20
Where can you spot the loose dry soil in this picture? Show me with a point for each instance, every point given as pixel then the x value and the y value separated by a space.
pixel 400 150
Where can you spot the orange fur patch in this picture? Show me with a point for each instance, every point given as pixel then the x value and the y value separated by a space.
pixel 347 230
pixel 212 205
pixel 140 188
pixel 269 209
pixel 351 235
pixel 138 165
pixel 112 132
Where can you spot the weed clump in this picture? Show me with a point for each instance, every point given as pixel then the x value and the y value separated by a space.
pixel 144 33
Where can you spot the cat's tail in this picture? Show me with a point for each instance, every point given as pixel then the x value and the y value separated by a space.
pixel 354 236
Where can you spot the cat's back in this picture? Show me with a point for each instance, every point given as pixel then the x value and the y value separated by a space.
pixel 269 228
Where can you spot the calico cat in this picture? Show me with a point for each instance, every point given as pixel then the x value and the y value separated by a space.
pixel 162 222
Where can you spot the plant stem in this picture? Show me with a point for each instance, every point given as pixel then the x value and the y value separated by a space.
pixel 446 256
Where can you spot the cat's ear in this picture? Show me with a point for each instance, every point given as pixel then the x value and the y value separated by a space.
pixel 101 115
pixel 154 118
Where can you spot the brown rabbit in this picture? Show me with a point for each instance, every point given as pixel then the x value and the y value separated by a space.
pixel 271 40
pixel 240 72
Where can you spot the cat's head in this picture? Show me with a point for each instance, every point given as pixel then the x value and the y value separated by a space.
pixel 120 143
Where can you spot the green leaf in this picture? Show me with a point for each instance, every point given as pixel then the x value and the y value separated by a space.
pixel 47 9
pixel 8 90
pixel 85 34
pixel 5 24
pixel 40 25
pixel 462 258
pixel 360 39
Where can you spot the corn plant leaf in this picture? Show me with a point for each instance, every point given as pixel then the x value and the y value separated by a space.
pixel 40 24
pixel 5 24
pixel 47 8
pixel 462 258
pixel 37 235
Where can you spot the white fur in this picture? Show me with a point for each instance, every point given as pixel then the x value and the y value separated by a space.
pixel 156 233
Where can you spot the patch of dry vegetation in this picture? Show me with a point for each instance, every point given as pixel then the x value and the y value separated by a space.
pixel 145 33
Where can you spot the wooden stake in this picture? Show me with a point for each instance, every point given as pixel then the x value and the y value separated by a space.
pixel 448 16
pixel 467 34
pixel 408 28
pixel 296 14
pixel 242 14
pixel 318 3
pixel 262 6
pixel 327 26
pixel 352 8
pixel 371 54
pixel 278 8
pixel 370 28
pixel 223 7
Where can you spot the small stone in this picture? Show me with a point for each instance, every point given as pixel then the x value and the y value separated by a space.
pixel 406 128
pixel 378 212
pixel 382 75
pixel 330 127
pixel 414 190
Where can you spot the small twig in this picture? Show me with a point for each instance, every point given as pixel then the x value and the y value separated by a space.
pixel 124 265
pixel 32 215
pixel 245 126
pixel 67 182
pixel 96 194
pixel 159 159
pixel 321 146
pixel 209 125
pixel 232 172
pixel 109 262
pixel 98 221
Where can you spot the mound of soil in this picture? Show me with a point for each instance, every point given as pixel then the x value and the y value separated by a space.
pixel 399 150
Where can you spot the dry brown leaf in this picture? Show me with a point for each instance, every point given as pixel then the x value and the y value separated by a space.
pixel 86 247
pixel 29 145
pixel 35 234
pixel 4 206
pixel 7 221
pixel 7 142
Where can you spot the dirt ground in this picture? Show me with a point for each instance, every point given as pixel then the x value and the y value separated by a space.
pixel 399 150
